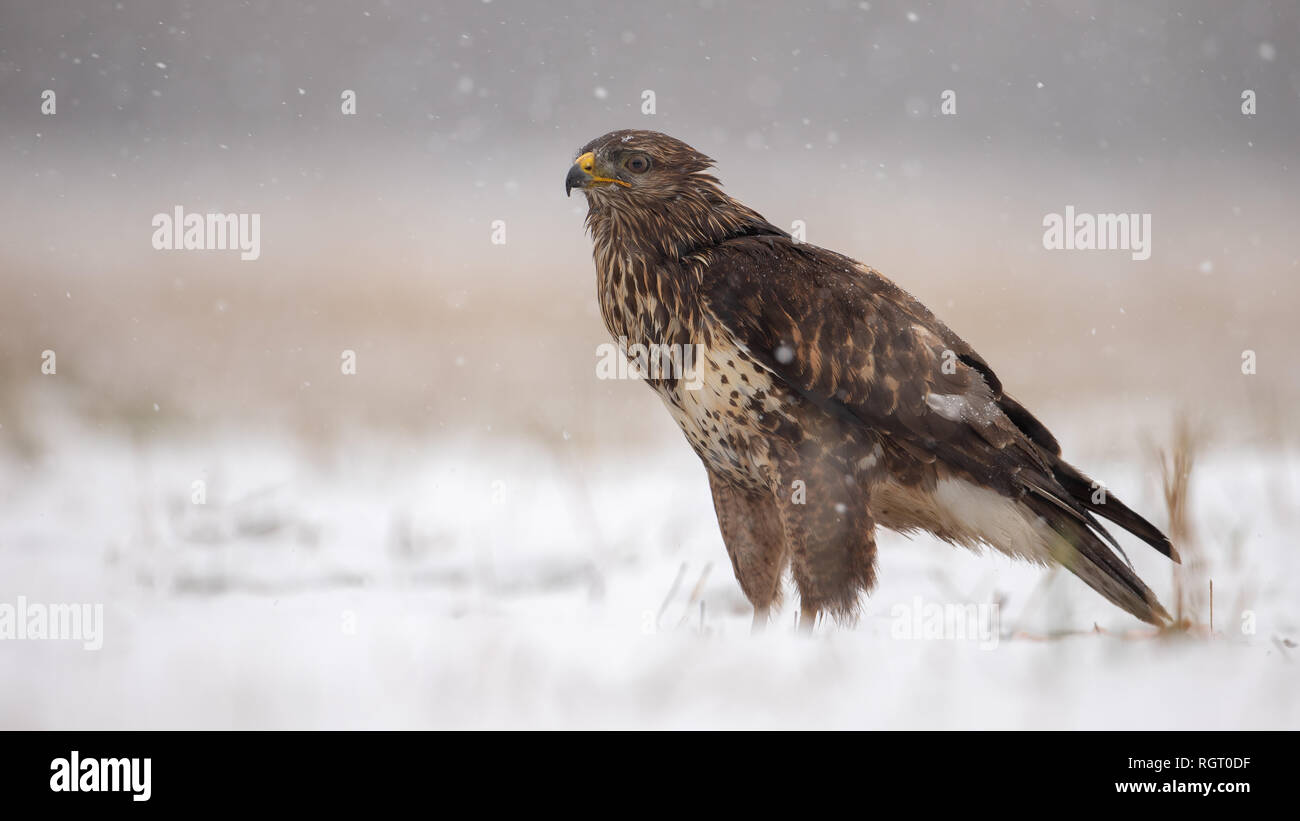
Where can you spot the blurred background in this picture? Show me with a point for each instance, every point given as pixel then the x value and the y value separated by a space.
pixel 473 506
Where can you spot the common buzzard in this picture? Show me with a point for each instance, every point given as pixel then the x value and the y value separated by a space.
pixel 826 400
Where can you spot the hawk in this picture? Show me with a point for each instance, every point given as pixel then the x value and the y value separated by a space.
pixel 826 400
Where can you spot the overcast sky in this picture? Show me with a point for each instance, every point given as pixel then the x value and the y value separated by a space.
pixel 1083 76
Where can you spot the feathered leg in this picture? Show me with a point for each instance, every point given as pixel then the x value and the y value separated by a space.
pixel 751 530
pixel 828 529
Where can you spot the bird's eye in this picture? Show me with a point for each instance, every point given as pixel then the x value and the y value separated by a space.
pixel 637 164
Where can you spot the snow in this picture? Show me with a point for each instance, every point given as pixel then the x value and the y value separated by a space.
pixel 537 549
pixel 456 583
pixel 952 407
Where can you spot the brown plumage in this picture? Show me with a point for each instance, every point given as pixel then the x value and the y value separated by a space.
pixel 827 400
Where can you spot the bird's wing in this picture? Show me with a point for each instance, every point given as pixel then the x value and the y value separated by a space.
pixel 863 350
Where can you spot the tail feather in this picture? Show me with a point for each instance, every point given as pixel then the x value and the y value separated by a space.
pixel 1081 489
pixel 1077 548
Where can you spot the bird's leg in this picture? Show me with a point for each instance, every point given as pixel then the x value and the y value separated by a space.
pixel 751 529
pixel 828 530
pixel 807 620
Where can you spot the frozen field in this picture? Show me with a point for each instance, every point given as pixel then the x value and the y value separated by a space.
pixel 471 528
pixel 500 583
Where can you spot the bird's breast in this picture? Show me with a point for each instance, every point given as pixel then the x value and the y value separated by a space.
pixel 730 408
pixel 727 404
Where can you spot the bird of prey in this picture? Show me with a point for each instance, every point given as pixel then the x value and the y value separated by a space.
pixel 827 401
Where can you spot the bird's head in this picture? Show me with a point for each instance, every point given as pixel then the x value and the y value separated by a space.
pixel 638 168
pixel 650 194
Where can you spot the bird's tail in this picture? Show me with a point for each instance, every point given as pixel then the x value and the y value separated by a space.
pixel 1073 541
pixel 1084 491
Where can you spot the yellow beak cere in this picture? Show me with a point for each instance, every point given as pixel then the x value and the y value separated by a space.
pixel 583 173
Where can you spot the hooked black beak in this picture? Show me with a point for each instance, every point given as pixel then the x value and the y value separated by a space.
pixel 584 173
pixel 576 178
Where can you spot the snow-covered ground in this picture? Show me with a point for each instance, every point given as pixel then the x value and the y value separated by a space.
pixel 506 583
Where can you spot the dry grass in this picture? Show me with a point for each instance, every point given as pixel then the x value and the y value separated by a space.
pixel 1192 586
